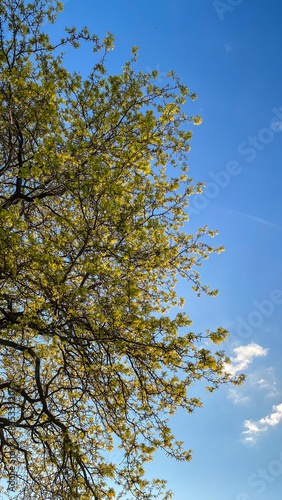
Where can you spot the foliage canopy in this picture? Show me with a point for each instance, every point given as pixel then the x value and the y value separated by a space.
pixel 91 246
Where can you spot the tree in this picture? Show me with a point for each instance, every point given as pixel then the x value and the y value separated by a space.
pixel 90 251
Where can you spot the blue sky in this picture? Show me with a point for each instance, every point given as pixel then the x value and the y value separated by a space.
pixel 229 53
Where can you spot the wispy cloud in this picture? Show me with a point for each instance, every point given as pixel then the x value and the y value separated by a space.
pixel 254 217
pixel 265 380
pixel 254 429
pixel 236 397
pixel 244 357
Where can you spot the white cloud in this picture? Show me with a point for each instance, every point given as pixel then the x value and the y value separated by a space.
pixel 274 418
pixel 254 429
pixel 244 356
